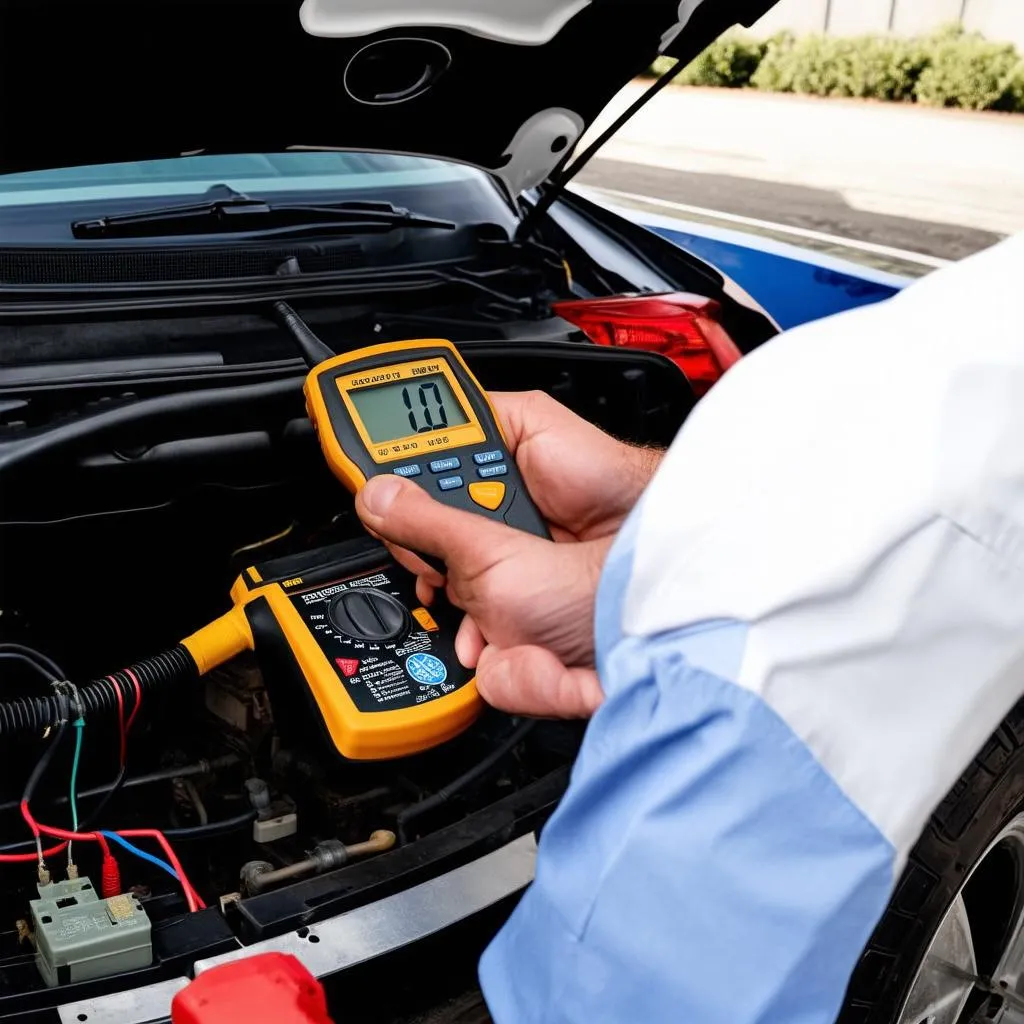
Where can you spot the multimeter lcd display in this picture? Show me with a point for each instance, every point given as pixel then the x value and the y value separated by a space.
pixel 417 406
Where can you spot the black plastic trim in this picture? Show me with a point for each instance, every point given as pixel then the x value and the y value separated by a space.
pixel 364 882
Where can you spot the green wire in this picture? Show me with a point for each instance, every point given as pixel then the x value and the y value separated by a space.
pixel 79 729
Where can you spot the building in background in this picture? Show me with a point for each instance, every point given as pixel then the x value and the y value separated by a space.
pixel 998 20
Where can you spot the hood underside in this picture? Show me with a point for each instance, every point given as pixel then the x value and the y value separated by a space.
pixel 505 85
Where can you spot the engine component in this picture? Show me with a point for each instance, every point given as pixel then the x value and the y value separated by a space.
pixel 274 819
pixel 258 876
pixel 251 871
pixel 273 829
pixel 78 936
pixel 236 695
pixel 259 796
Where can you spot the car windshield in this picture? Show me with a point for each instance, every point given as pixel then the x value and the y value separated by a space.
pixel 254 173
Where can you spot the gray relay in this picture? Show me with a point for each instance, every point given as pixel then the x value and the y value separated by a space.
pixel 80 936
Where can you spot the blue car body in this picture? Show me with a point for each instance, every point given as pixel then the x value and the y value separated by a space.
pixel 794 284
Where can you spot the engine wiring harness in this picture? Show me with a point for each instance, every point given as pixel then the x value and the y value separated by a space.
pixel 36 714
pixel 69 904
pixel 52 715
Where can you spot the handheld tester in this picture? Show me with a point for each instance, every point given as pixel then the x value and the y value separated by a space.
pixel 341 639
pixel 414 408
pixel 339 631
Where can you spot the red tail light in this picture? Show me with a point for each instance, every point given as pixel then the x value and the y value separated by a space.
pixel 683 327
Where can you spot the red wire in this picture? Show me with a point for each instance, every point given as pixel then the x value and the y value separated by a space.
pixel 194 901
pixel 120 717
pixel 125 727
pixel 32 858
pixel 60 833
pixel 138 698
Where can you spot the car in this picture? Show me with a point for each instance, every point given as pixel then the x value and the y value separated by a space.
pixel 390 172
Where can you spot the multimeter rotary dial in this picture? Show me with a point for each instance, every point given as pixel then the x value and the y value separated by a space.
pixel 365 614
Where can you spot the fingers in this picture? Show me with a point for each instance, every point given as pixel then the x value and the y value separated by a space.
pixel 402 512
pixel 469 642
pixel 525 413
pixel 509 407
pixel 532 681
pixel 430 576
pixel 424 591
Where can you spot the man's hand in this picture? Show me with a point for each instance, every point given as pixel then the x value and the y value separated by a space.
pixel 529 603
pixel 529 627
pixel 584 481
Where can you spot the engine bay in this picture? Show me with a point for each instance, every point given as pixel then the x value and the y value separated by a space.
pixel 126 520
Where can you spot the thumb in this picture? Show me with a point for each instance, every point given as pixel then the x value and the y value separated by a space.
pixel 532 681
pixel 402 512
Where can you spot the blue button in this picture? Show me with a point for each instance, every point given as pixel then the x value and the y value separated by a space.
pixel 499 470
pixel 411 470
pixel 482 458
pixel 443 465
pixel 449 483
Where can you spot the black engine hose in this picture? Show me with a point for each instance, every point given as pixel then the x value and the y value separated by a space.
pixel 477 773
pixel 34 714
pixel 228 405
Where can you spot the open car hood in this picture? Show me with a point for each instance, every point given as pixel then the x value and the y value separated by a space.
pixel 506 85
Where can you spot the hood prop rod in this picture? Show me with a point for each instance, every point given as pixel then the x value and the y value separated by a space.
pixel 562 175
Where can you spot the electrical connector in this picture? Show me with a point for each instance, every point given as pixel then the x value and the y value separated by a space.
pixel 79 937
pixel 110 879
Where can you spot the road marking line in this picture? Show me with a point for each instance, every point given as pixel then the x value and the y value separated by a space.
pixel 753 222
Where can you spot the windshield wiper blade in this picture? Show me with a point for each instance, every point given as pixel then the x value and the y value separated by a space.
pixel 241 215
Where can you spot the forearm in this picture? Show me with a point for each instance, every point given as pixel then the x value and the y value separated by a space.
pixel 642 879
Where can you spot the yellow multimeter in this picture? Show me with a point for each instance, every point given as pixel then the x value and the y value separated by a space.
pixel 339 633
pixel 415 409
pixel 344 646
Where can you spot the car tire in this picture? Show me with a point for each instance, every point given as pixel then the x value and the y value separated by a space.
pixel 968 862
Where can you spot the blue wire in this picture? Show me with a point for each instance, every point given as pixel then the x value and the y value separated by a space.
pixel 142 853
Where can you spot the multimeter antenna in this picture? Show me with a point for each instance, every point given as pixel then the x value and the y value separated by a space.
pixel 314 351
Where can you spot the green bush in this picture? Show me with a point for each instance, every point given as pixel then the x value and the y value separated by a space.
pixel 662 65
pixel 887 68
pixel 969 71
pixel 728 62
pixel 1013 96
pixel 950 68
pixel 774 73
pixel 878 67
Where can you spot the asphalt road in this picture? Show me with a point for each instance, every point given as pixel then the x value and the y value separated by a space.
pixel 798 206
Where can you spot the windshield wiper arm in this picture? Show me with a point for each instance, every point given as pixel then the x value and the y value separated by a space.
pixel 242 215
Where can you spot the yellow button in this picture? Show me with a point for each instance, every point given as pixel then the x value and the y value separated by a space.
pixel 425 619
pixel 489 493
